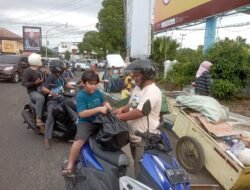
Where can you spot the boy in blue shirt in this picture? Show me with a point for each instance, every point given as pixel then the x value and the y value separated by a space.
pixel 89 103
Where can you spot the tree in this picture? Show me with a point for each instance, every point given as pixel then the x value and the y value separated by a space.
pixel 67 55
pixel 111 26
pixel 110 36
pixel 230 69
pixel 49 52
pixel 183 73
pixel 164 48
pixel 90 42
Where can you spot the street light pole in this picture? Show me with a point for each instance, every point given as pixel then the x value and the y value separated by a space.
pixel 47 34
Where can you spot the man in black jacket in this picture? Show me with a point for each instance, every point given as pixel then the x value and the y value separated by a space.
pixel 32 79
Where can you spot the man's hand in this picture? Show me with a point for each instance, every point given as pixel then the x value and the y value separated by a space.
pixel 107 105
pixel 118 116
pixel 118 111
pixel 38 81
pixel 103 109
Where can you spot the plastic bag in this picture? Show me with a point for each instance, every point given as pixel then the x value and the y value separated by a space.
pixel 113 133
pixel 244 156
pixel 237 148
pixel 208 106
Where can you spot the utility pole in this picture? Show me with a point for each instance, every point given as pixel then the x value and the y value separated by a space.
pixel 182 37
pixel 47 34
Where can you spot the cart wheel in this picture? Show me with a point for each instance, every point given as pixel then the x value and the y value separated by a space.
pixel 190 154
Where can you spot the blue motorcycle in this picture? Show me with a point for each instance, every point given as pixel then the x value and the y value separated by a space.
pixel 98 169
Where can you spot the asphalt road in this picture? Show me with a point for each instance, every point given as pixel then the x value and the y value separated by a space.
pixel 24 163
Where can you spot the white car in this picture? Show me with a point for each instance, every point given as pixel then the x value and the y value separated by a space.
pixel 101 64
pixel 82 64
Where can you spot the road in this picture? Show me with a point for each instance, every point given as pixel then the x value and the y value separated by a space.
pixel 24 163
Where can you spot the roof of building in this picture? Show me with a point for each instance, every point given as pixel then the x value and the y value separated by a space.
pixel 6 34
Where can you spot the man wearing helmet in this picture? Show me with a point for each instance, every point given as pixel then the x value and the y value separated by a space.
pixel 53 86
pixel 143 74
pixel 32 79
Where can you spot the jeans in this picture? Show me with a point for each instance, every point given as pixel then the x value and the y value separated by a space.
pixel 39 100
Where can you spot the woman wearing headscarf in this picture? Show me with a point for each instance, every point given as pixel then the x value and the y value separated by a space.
pixel 203 79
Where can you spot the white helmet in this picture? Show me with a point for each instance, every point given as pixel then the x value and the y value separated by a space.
pixel 35 60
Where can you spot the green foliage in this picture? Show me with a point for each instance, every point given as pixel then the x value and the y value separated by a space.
pixel 111 26
pixel 190 55
pixel 67 55
pixel 183 73
pixel 224 89
pixel 110 36
pixel 91 42
pixel 163 48
pixel 230 64
pixel 49 52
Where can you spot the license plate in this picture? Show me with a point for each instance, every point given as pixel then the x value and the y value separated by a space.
pixel 176 175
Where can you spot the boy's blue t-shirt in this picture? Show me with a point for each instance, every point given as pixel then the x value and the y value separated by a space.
pixel 86 101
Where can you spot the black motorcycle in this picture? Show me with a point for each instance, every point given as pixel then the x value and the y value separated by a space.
pixel 65 117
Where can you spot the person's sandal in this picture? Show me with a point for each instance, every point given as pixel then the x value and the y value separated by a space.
pixel 39 123
pixel 68 172
pixel 40 126
pixel 42 129
pixel 47 146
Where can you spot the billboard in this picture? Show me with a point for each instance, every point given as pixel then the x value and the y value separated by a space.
pixel 32 38
pixel 172 13
pixel 9 46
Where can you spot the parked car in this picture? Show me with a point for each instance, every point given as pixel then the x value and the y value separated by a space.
pixel 102 64
pixel 12 67
pixel 82 64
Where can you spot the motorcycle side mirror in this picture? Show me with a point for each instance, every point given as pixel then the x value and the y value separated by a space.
pixel 146 109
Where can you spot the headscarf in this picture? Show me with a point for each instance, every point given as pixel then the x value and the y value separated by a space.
pixel 204 66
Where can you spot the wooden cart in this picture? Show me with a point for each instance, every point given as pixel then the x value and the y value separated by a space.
pixel 196 148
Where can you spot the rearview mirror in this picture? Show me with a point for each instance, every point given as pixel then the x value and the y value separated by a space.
pixel 146 109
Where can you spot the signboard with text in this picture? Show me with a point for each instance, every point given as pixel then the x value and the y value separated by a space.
pixel 9 46
pixel 172 13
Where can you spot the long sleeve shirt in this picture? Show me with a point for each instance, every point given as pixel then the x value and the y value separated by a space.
pixel 29 78
pixel 203 84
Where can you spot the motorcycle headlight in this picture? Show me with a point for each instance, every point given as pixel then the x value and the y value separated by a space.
pixel 8 68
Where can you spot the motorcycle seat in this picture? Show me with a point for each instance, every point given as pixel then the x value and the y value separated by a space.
pixel 117 158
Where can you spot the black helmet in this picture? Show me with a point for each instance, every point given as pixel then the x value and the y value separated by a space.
pixel 145 66
pixel 56 66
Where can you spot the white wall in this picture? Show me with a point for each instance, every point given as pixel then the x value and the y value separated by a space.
pixel 67 46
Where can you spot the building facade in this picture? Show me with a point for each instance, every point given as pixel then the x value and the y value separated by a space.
pixel 72 47
pixel 10 43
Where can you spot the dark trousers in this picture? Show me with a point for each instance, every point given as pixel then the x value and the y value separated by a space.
pixel 137 151
pixel 50 121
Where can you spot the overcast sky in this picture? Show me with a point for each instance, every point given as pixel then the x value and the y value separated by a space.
pixel 189 37
pixel 81 16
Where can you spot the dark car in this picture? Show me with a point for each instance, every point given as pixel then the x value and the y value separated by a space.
pixel 12 67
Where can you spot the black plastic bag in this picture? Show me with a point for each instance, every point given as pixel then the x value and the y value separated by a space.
pixel 113 133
